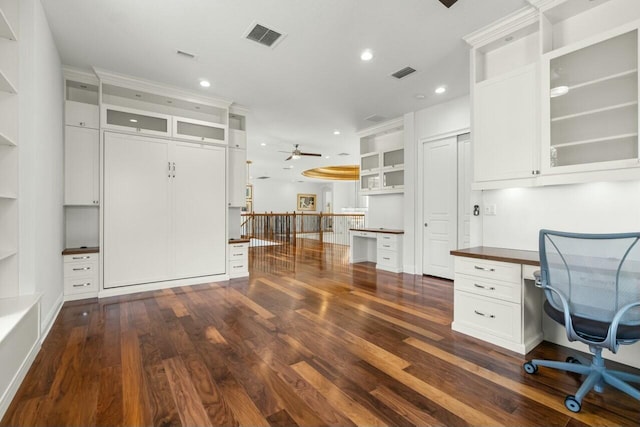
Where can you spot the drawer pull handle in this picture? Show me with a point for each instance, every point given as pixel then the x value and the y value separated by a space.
pixel 240 254
pixel 82 285
pixel 81 257
pixel 385 258
pixel 386 246
pixel 238 266
pixel 490 316
pixel 82 269
pixel 490 288
pixel 483 268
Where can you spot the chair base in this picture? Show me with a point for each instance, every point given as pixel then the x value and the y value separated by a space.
pixel 597 376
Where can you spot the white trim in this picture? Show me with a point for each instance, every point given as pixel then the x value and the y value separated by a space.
pixel 503 27
pixel 132 289
pixel 382 127
pixel 133 83
pixel 47 323
pixel 501 342
pixel 449 134
pixel 78 75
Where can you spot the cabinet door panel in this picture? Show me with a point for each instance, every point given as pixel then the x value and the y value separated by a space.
pixel 81 114
pixel 505 126
pixel 199 210
pixel 237 177
pixel 137 210
pixel 81 166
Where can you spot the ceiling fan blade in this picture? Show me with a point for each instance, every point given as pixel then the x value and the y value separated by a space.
pixel 310 154
pixel 281 151
pixel 288 158
pixel 448 3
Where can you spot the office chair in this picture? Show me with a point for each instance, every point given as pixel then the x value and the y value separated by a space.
pixel 592 287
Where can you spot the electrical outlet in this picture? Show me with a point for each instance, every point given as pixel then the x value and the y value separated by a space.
pixel 490 210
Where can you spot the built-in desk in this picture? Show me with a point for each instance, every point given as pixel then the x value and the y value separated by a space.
pixel 380 245
pixel 496 300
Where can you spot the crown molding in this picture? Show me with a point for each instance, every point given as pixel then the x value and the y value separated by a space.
pixel 387 126
pixel 503 27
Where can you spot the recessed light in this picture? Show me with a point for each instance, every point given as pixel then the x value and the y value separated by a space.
pixel 133 120
pixel 327 157
pixel 440 90
pixel 263 144
pixel 336 132
pixel 366 55
pixel 205 83
pixel 558 91
pixel 420 96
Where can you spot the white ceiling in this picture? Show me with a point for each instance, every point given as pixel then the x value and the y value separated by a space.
pixel 310 84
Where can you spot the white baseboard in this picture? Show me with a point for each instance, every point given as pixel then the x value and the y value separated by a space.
pixel 132 289
pixel 50 318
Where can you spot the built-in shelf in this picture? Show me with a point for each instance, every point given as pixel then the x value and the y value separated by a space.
pixel 6 196
pixel 5 84
pixel 603 79
pixel 6 32
pixel 595 111
pixel 5 140
pixel 595 140
pixel 4 254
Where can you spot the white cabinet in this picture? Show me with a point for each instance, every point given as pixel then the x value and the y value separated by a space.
pixel 382 159
pixel 164 211
pixel 492 302
pixel 237 138
pixel 138 121
pixel 590 92
pixel 81 166
pixel 81 275
pixel 81 114
pixel 238 259
pixel 198 130
pixel 237 177
pixel 389 252
pixel 505 126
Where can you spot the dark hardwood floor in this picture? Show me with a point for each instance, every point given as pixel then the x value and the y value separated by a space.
pixel 307 340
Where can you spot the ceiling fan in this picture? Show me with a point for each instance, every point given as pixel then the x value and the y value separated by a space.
pixel 448 3
pixel 296 154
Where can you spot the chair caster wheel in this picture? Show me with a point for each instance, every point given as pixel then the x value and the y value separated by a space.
pixel 572 404
pixel 530 368
pixel 572 359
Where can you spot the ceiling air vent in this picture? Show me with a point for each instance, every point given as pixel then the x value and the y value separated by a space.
pixel 263 35
pixel 403 73
pixel 375 118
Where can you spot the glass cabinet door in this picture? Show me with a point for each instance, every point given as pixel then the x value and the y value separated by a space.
pixel 593 106
pixel 136 121
pixel 197 130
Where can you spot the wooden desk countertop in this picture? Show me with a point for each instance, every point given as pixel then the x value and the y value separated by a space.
pixel 378 230
pixel 232 241
pixel 82 250
pixel 515 256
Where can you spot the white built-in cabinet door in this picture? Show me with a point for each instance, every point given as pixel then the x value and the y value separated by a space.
pixel 199 243
pixel 237 177
pixel 505 126
pixel 81 166
pixel 137 210
pixel 81 114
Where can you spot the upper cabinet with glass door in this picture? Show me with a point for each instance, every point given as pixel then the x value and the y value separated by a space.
pixel 591 110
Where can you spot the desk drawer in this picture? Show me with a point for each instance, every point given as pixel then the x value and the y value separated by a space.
pixel 81 258
pixel 387 244
pixel 80 269
pixel 238 266
pixel 388 258
pixel 488 315
pixel 491 288
pixel 238 252
pixel 364 234
pixel 494 270
pixel 81 285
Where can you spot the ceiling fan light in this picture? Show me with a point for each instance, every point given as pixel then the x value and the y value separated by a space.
pixel 295 156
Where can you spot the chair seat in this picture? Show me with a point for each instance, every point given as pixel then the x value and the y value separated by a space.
pixel 593 328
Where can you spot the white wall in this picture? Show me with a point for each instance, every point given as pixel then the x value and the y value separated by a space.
pixel 602 207
pixel 270 195
pixel 41 183
pixel 386 211
pixel 345 195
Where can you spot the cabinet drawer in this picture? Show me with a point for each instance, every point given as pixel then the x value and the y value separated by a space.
pixel 80 269
pixel 81 257
pixel 238 266
pixel 488 315
pixel 81 114
pixel 491 288
pixel 386 257
pixel 495 270
pixel 80 285
pixel 364 234
pixel 388 241
pixel 237 252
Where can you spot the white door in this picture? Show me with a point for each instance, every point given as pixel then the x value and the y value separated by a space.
pixel 465 172
pixel 439 207
pixel 137 210
pixel 199 210
pixel 81 165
